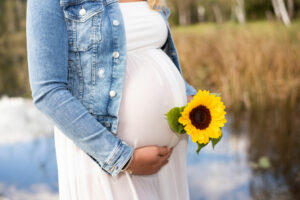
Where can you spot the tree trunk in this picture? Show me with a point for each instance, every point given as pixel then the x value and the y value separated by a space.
pixel 201 13
pixel 217 13
pixel 184 13
pixel 276 9
pixel 184 16
pixel 284 15
pixel 291 6
pixel 239 11
pixel 281 12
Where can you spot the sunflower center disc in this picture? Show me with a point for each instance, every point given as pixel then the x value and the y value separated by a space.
pixel 200 117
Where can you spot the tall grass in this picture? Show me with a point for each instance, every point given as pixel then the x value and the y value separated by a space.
pixel 256 66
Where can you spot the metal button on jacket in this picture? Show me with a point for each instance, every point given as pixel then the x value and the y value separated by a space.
pixel 115 22
pixel 112 168
pixel 112 93
pixel 115 54
pixel 82 11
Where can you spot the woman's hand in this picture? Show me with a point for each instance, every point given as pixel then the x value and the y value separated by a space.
pixel 189 98
pixel 149 159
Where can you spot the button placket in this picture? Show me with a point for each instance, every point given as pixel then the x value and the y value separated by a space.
pixel 117 59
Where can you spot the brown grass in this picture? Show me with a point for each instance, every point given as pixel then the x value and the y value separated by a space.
pixel 253 67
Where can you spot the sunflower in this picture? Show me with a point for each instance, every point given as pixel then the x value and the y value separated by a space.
pixel 203 117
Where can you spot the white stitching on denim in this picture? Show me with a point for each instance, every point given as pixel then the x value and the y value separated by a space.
pixel 112 154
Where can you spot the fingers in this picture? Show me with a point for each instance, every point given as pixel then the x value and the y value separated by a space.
pixel 149 159
pixel 165 162
pixel 164 159
pixel 164 151
pixel 167 156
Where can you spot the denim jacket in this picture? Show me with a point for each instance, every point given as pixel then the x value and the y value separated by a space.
pixel 76 62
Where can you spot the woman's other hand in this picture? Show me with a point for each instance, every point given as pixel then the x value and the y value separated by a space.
pixel 149 159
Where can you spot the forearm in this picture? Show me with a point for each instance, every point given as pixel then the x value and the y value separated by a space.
pixel 47 51
pixel 70 116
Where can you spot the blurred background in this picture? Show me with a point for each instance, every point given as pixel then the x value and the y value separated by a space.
pixel 246 50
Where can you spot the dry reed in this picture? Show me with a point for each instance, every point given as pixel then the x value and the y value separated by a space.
pixel 255 66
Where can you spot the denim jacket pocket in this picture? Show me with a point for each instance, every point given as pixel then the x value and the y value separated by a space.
pixel 83 21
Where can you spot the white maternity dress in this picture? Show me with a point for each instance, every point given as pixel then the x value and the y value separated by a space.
pixel 153 85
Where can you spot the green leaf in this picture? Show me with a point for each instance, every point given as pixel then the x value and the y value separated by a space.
pixel 264 162
pixel 200 146
pixel 215 141
pixel 173 116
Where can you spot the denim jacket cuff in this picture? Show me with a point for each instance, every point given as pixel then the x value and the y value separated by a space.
pixel 190 90
pixel 119 157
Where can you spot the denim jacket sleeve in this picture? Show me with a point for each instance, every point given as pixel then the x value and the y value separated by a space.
pixel 190 90
pixel 47 50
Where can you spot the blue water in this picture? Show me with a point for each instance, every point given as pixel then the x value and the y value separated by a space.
pixel 232 170
pixel 25 165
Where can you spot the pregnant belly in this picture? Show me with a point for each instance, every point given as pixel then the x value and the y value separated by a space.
pixel 153 85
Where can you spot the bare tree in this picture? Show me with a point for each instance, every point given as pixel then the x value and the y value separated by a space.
pixel 276 9
pixel 291 7
pixel 239 11
pixel 201 13
pixel 217 13
pixel 183 9
pixel 281 12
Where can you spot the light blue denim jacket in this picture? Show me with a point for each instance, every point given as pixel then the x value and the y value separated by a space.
pixel 76 60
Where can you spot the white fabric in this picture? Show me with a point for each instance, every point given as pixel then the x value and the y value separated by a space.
pixel 144 27
pixel 152 86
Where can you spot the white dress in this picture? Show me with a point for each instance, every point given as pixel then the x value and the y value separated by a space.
pixel 153 85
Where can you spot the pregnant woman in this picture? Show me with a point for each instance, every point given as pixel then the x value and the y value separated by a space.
pixel 106 72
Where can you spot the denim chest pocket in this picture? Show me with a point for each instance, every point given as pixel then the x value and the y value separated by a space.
pixel 83 22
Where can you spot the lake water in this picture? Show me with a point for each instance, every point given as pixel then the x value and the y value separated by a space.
pixel 257 157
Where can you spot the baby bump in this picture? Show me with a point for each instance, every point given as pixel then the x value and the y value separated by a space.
pixel 153 85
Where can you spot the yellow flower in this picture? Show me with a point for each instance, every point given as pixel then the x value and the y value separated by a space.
pixel 203 117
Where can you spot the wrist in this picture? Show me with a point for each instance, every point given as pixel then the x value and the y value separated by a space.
pixel 127 166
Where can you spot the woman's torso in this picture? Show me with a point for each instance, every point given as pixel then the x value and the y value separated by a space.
pixel 152 85
pixel 97 58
